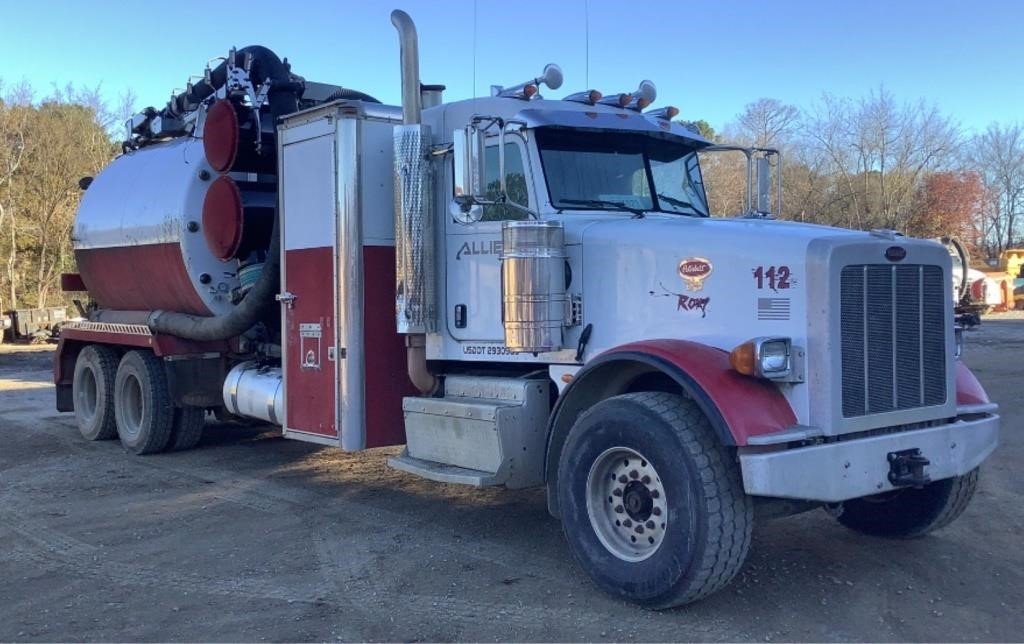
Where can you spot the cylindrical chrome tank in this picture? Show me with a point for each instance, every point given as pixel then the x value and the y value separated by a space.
pixel 255 392
pixel 533 285
pixel 138 235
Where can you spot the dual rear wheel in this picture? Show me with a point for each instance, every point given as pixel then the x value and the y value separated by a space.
pixel 127 396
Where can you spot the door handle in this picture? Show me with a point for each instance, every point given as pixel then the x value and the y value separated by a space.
pixel 287 298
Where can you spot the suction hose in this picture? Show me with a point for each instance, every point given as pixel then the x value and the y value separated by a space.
pixel 257 305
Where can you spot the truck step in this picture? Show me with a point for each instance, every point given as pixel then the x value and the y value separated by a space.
pixel 442 473
pixel 485 431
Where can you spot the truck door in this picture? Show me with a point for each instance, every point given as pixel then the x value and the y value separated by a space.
pixel 473 275
pixel 309 324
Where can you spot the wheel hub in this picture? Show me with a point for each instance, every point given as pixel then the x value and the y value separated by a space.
pixel 626 504
pixel 637 500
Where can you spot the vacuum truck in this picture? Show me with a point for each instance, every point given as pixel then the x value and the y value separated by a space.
pixel 523 291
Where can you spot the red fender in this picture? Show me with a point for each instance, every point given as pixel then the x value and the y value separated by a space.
pixel 737 406
pixel 968 390
pixel 748 406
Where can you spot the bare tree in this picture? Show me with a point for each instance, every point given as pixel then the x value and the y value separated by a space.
pixel 767 122
pixel 878 153
pixel 998 154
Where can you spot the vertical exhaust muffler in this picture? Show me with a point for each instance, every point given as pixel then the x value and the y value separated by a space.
pixel 414 221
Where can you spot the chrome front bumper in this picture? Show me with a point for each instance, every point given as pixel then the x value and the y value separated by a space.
pixel 842 470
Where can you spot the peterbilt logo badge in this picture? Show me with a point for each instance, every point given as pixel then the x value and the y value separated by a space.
pixel 694 270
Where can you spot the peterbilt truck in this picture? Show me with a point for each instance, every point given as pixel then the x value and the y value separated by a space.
pixel 523 291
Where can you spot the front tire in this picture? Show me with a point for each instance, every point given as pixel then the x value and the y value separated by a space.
pixel 911 512
pixel 142 403
pixel 652 504
pixel 92 389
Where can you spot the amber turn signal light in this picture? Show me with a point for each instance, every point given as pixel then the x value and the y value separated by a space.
pixel 743 359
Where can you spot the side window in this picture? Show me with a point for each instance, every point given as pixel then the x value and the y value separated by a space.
pixel 515 180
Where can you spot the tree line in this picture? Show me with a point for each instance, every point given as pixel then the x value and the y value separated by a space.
pixel 869 162
pixel 874 162
pixel 46 145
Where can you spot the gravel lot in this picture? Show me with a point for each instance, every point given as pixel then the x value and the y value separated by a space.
pixel 252 537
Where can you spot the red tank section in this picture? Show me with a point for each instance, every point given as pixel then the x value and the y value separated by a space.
pixel 139 278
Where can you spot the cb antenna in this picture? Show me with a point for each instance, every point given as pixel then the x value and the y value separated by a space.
pixel 474 49
pixel 586 40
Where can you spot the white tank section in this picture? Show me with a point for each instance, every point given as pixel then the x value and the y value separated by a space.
pixel 148 197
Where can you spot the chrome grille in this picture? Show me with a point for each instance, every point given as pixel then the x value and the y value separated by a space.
pixel 892 337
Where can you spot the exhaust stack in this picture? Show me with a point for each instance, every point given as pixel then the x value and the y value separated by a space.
pixel 414 220
pixel 410 61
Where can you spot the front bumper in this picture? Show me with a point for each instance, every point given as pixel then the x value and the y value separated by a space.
pixel 849 469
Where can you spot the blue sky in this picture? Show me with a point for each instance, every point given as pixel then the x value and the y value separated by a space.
pixel 709 58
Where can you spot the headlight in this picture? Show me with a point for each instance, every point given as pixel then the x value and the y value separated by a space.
pixel 770 358
pixel 958 342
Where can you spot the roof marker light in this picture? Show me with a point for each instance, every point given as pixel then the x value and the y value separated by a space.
pixel 616 100
pixel 588 97
pixel 665 113
pixel 643 96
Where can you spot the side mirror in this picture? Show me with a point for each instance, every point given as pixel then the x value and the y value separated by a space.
pixel 764 184
pixel 470 166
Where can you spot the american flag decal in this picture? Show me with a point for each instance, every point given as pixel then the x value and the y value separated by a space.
pixel 773 308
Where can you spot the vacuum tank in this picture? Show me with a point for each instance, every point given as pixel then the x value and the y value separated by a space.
pixel 143 231
pixel 183 221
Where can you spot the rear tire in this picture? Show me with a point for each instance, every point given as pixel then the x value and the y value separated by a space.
pixel 92 390
pixel 652 504
pixel 142 403
pixel 910 512
pixel 187 429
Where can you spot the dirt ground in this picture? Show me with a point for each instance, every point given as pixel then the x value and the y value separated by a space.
pixel 252 537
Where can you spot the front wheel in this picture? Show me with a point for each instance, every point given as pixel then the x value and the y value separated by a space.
pixel 911 512
pixel 652 504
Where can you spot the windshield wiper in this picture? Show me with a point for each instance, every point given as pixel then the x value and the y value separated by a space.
pixel 680 203
pixel 637 212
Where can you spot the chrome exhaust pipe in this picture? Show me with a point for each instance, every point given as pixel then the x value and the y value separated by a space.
pixel 414 238
pixel 410 61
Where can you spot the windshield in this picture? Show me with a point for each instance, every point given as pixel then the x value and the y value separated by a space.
pixel 621 171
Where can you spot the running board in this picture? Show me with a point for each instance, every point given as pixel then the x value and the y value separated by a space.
pixel 442 473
